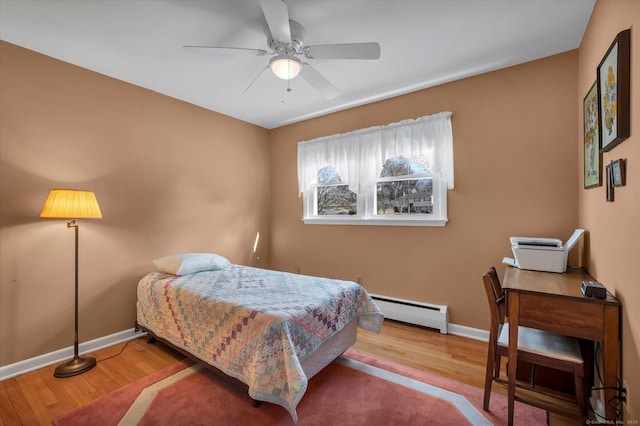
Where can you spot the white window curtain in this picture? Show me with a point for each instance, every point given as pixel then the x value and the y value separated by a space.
pixel 359 155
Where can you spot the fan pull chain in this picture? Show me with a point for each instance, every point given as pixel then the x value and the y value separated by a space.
pixel 288 90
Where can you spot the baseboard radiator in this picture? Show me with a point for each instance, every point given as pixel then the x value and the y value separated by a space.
pixel 412 312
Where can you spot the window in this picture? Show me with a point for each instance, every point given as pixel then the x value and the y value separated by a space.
pixel 391 175
pixel 333 197
pixel 410 194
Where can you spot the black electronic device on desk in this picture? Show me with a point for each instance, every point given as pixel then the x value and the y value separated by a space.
pixel 594 289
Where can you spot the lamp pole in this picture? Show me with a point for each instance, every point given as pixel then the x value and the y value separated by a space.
pixel 77 365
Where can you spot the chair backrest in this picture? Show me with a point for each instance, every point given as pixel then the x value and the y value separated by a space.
pixel 495 297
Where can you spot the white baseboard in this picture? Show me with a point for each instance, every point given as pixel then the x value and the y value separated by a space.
pixel 61 355
pixel 471 333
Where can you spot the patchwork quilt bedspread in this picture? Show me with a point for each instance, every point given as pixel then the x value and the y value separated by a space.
pixel 256 325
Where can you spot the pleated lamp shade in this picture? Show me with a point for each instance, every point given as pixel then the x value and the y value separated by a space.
pixel 71 204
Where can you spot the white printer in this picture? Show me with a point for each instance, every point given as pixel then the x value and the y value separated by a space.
pixel 541 254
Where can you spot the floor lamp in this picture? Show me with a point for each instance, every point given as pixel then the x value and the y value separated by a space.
pixel 72 204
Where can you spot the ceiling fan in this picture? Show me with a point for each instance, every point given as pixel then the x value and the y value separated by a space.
pixel 288 52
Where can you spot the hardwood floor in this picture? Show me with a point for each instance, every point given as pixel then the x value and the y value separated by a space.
pixel 37 397
pixel 454 357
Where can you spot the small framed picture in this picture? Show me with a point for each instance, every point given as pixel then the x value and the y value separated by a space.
pixel 609 186
pixel 618 172
pixel 613 92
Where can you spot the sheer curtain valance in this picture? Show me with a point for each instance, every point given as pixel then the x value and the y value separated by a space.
pixel 359 155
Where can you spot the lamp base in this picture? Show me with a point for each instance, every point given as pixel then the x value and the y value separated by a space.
pixel 74 367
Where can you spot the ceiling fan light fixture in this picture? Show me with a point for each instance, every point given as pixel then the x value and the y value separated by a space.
pixel 285 67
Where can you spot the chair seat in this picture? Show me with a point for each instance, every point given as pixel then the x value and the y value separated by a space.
pixel 544 343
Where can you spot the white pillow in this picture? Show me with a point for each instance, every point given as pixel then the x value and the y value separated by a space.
pixel 190 263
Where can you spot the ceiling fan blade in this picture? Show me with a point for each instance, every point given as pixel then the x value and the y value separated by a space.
pixel 277 16
pixel 254 80
pixel 320 83
pixel 343 51
pixel 234 50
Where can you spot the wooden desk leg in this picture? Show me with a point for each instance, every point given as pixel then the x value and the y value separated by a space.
pixel 610 357
pixel 514 307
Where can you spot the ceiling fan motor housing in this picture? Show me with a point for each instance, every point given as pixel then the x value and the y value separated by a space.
pixel 297 41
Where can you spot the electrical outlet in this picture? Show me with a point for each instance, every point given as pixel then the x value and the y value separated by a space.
pixel 625 405
pixel 359 279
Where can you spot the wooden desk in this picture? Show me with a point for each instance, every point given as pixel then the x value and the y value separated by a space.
pixel 554 302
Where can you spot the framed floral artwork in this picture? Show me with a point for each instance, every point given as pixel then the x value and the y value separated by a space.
pixel 592 154
pixel 613 92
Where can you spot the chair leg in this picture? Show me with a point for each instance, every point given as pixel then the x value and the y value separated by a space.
pixel 489 375
pixel 580 393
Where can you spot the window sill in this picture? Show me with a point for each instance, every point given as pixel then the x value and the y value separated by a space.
pixel 397 221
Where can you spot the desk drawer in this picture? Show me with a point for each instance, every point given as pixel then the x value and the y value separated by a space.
pixel 563 315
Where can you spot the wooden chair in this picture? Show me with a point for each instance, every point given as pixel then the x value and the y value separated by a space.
pixel 536 347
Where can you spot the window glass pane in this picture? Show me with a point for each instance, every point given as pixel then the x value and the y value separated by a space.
pixel 336 200
pixel 399 165
pixel 406 196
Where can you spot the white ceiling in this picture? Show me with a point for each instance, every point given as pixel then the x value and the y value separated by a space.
pixel 423 43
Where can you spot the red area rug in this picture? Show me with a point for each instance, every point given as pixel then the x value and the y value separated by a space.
pixel 359 389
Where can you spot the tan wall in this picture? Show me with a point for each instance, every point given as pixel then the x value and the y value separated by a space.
pixel 169 177
pixel 612 252
pixel 514 137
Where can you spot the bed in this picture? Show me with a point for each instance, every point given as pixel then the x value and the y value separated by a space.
pixel 271 330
